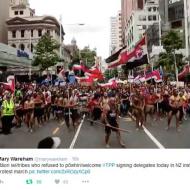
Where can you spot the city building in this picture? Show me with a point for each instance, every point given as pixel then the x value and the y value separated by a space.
pixel 113 34
pixel 127 8
pixel 176 14
pixel 163 11
pixel 153 36
pixel 116 33
pixel 139 21
pixel 4 15
pixel 119 32
pixel 187 26
pixel 25 28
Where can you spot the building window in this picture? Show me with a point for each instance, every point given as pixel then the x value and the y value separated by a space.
pixel 154 9
pixel 16 12
pixel 21 12
pixel 22 33
pixel 13 45
pixel 32 33
pixel 150 18
pixel 144 27
pixel 32 48
pixel 48 32
pixel 154 17
pixel 14 34
pixel 39 33
pixel 149 9
pixel 22 47
pixel 142 18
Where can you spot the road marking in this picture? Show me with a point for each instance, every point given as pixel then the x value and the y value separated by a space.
pixel 127 119
pixel 62 123
pixel 77 133
pixel 56 130
pixel 156 142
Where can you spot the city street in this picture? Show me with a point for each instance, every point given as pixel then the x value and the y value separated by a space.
pixel 93 136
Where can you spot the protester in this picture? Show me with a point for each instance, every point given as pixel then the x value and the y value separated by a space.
pixel 40 103
pixel 111 120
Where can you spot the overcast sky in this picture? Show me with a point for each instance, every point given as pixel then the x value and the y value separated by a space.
pixel 94 13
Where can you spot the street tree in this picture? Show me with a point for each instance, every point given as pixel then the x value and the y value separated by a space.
pixel 171 42
pixel 110 74
pixel 86 55
pixel 46 54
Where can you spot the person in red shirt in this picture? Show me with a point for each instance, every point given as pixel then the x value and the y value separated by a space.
pixel 150 104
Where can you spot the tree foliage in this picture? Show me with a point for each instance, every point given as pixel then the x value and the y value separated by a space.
pixel 110 74
pixel 86 55
pixel 171 42
pixel 45 53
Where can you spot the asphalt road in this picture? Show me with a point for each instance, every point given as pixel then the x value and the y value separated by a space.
pixel 92 137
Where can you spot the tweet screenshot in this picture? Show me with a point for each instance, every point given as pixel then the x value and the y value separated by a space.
pixel 94 94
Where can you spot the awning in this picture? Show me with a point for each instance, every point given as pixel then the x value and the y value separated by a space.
pixel 12 60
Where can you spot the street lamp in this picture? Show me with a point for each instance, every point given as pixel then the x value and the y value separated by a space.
pixel 30 44
pixel 60 39
pixel 74 24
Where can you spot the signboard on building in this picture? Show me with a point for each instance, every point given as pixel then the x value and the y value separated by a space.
pixel 21 53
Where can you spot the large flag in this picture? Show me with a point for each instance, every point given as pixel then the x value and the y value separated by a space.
pixel 94 76
pixel 47 80
pixel 77 67
pixel 154 75
pixel 112 83
pixel 10 84
pixel 58 81
pixel 95 72
pixel 138 56
pixel 114 59
pixel 80 67
pixel 85 81
pixel 71 78
pixel 148 76
pixel 184 72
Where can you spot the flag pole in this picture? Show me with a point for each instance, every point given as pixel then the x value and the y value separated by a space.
pixel 30 68
pixel 176 69
pixel 186 30
pixel 160 31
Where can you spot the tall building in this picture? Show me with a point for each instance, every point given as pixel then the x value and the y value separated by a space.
pixel 176 14
pixel 127 8
pixel 113 36
pixel 176 18
pixel 25 28
pixel 188 26
pixel 139 21
pixel 4 15
pixel 119 31
pixel 163 11
pixel 116 33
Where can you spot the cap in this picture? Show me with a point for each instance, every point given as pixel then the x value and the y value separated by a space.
pixel 49 142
